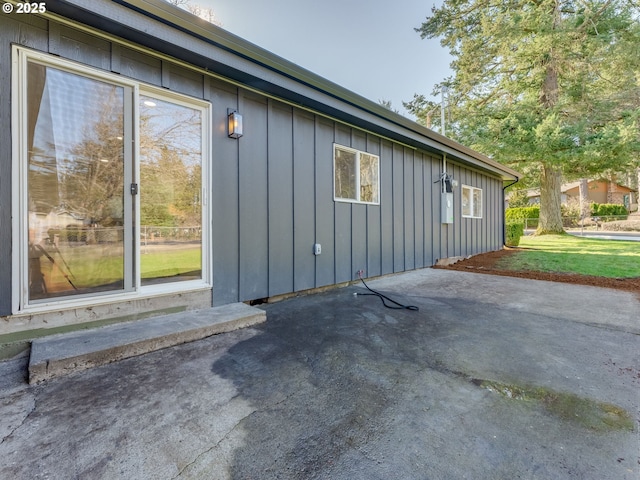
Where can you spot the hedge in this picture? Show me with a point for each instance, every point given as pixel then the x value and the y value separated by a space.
pixel 608 209
pixel 529 215
pixel 597 210
pixel 514 231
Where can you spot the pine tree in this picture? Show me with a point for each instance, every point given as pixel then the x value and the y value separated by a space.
pixel 549 87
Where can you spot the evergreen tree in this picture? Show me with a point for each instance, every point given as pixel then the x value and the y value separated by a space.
pixel 550 87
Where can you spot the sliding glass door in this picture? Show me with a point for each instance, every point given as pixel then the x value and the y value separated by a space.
pixel 170 191
pixel 76 208
pixel 113 184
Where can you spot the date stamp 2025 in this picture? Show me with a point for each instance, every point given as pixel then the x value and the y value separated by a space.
pixel 26 7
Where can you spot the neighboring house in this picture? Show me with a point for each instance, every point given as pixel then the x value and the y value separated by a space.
pixel 599 191
pixel 127 113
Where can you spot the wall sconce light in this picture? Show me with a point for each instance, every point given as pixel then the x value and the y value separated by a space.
pixel 234 123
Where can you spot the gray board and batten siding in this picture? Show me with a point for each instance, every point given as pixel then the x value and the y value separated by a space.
pixel 271 190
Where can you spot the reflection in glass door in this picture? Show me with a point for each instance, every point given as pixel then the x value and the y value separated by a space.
pixel 75 184
pixel 110 193
pixel 171 155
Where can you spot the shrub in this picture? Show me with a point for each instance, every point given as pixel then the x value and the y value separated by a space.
pixel 571 208
pixel 609 210
pixel 571 221
pixel 518 198
pixel 514 231
pixel 520 214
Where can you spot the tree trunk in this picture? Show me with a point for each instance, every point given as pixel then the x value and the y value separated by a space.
pixel 585 205
pixel 550 176
pixel 611 187
pixel 550 199
pixel 637 199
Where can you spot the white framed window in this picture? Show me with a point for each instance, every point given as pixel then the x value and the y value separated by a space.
pixel 112 181
pixel 356 176
pixel 471 202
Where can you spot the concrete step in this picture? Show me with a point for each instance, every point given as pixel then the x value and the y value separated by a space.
pixel 62 354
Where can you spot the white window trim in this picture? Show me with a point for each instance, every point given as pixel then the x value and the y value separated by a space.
pixel 471 200
pixel 19 296
pixel 357 153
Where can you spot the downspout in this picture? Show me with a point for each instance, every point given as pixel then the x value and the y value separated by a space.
pixel 444 163
pixel 504 220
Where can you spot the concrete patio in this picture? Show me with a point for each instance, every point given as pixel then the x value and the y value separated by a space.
pixel 493 377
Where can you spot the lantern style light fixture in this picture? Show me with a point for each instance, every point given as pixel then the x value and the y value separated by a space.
pixel 234 123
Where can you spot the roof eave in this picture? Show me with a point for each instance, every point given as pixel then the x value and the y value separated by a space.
pixel 409 132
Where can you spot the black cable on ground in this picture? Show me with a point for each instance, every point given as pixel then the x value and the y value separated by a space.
pixel 385 299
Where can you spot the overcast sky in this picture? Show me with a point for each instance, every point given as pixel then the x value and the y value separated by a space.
pixel 367 46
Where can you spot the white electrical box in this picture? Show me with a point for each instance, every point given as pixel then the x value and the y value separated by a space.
pixel 317 249
pixel 446 205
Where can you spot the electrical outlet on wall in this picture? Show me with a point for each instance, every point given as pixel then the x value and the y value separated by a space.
pixel 317 249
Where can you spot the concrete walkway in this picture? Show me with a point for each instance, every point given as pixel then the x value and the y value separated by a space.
pixel 605 235
pixel 494 377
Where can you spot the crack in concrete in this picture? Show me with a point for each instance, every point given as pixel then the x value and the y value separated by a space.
pixel 226 435
pixel 213 447
pixel 22 422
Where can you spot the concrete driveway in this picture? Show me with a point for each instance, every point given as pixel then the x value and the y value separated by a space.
pixel 494 378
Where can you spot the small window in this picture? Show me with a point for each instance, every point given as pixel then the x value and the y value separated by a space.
pixel 356 176
pixel 471 202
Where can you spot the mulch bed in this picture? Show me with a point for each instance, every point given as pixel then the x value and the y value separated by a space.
pixel 486 263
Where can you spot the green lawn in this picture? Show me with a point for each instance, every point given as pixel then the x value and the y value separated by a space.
pixel 91 266
pixel 170 263
pixel 570 254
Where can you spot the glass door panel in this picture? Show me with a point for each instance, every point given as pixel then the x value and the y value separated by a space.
pixel 170 191
pixel 75 184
